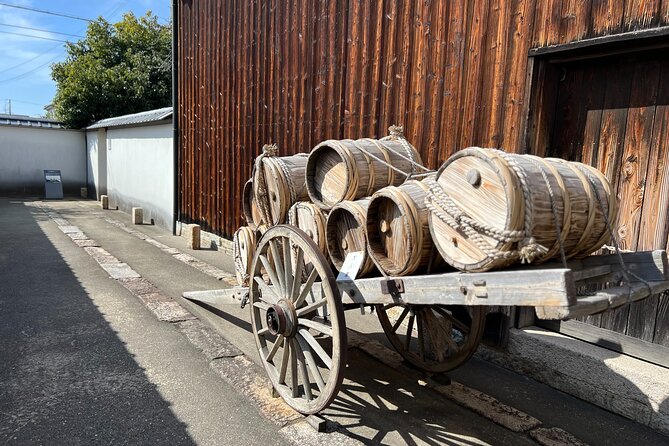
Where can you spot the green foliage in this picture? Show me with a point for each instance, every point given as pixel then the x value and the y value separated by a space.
pixel 115 70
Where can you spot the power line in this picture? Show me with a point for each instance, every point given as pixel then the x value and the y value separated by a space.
pixel 40 30
pixel 34 37
pixel 31 59
pixel 22 75
pixel 42 11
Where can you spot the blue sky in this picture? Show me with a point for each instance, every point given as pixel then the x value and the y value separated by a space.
pixel 25 73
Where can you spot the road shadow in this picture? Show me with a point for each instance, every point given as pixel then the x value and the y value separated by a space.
pixel 65 375
pixel 378 405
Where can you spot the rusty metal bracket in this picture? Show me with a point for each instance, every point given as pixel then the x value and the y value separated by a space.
pixel 392 286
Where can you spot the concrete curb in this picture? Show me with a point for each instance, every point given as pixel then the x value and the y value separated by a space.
pixel 635 389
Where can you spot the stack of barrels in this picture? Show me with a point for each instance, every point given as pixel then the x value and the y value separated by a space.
pixel 483 209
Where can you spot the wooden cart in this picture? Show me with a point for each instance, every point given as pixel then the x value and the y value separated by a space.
pixel 434 321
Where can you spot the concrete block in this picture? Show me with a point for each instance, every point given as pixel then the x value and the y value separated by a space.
pixel 630 387
pixel 137 216
pixel 104 201
pixel 192 234
pixel 83 192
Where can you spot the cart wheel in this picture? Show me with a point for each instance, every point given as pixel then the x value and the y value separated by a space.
pixel 298 319
pixel 433 338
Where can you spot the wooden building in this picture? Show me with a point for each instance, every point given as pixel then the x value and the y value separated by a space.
pixel 585 80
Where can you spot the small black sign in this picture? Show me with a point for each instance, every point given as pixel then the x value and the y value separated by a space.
pixel 53 185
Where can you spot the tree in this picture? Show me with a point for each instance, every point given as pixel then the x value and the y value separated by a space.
pixel 115 70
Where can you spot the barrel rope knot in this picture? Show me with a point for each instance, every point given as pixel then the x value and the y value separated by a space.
pixel 268 150
pixel 529 250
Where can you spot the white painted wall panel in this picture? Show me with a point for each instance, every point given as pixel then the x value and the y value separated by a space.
pixel 25 152
pixel 140 171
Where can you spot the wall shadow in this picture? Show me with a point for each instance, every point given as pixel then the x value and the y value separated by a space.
pixel 65 375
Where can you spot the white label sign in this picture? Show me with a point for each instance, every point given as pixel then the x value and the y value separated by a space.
pixel 351 266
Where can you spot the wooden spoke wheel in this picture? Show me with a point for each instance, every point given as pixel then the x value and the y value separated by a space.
pixel 298 319
pixel 433 338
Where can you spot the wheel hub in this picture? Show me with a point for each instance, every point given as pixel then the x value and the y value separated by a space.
pixel 281 318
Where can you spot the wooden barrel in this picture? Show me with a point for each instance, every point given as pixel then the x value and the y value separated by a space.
pixel 344 170
pixel 250 207
pixel 490 209
pixel 346 232
pixel 243 248
pixel 312 220
pixel 398 233
pixel 278 182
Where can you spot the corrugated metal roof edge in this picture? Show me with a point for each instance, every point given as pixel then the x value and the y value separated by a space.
pixel 145 117
pixel 30 121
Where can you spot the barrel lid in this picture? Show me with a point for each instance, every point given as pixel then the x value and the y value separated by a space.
pixel 393 228
pixel 346 230
pixel 326 172
pixel 482 185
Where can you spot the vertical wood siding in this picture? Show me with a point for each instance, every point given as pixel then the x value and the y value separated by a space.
pixel 295 72
pixel 453 73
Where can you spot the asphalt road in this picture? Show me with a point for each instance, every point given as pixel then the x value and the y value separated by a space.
pixel 84 362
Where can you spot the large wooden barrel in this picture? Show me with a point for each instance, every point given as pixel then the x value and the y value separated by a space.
pixel 398 234
pixel 490 209
pixel 250 207
pixel 278 182
pixel 312 220
pixel 243 248
pixel 344 170
pixel 346 232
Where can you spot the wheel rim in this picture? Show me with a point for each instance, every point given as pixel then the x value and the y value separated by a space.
pixel 433 338
pixel 298 324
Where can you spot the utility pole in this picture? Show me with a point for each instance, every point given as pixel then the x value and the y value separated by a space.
pixel 10 106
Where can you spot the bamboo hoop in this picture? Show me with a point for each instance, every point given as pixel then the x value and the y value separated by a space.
pixel 243 248
pixel 250 206
pixel 346 232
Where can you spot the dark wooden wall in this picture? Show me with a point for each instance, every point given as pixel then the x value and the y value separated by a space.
pixel 296 72
pixel 454 73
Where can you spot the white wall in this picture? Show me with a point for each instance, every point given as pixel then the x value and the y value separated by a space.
pixel 25 152
pixel 140 171
pixel 96 148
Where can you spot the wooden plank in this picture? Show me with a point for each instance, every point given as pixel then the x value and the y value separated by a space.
pixel 640 14
pixel 553 287
pixel 517 93
pixel 607 17
pixel 567 135
pixel 636 150
pixel 487 129
pixel 575 20
pixel 639 135
pixel 453 76
pixel 609 153
pixel 603 300
pixel 547 26
pixel 438 49
pixel 472 76
pixel 420 28
pixel 617 342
